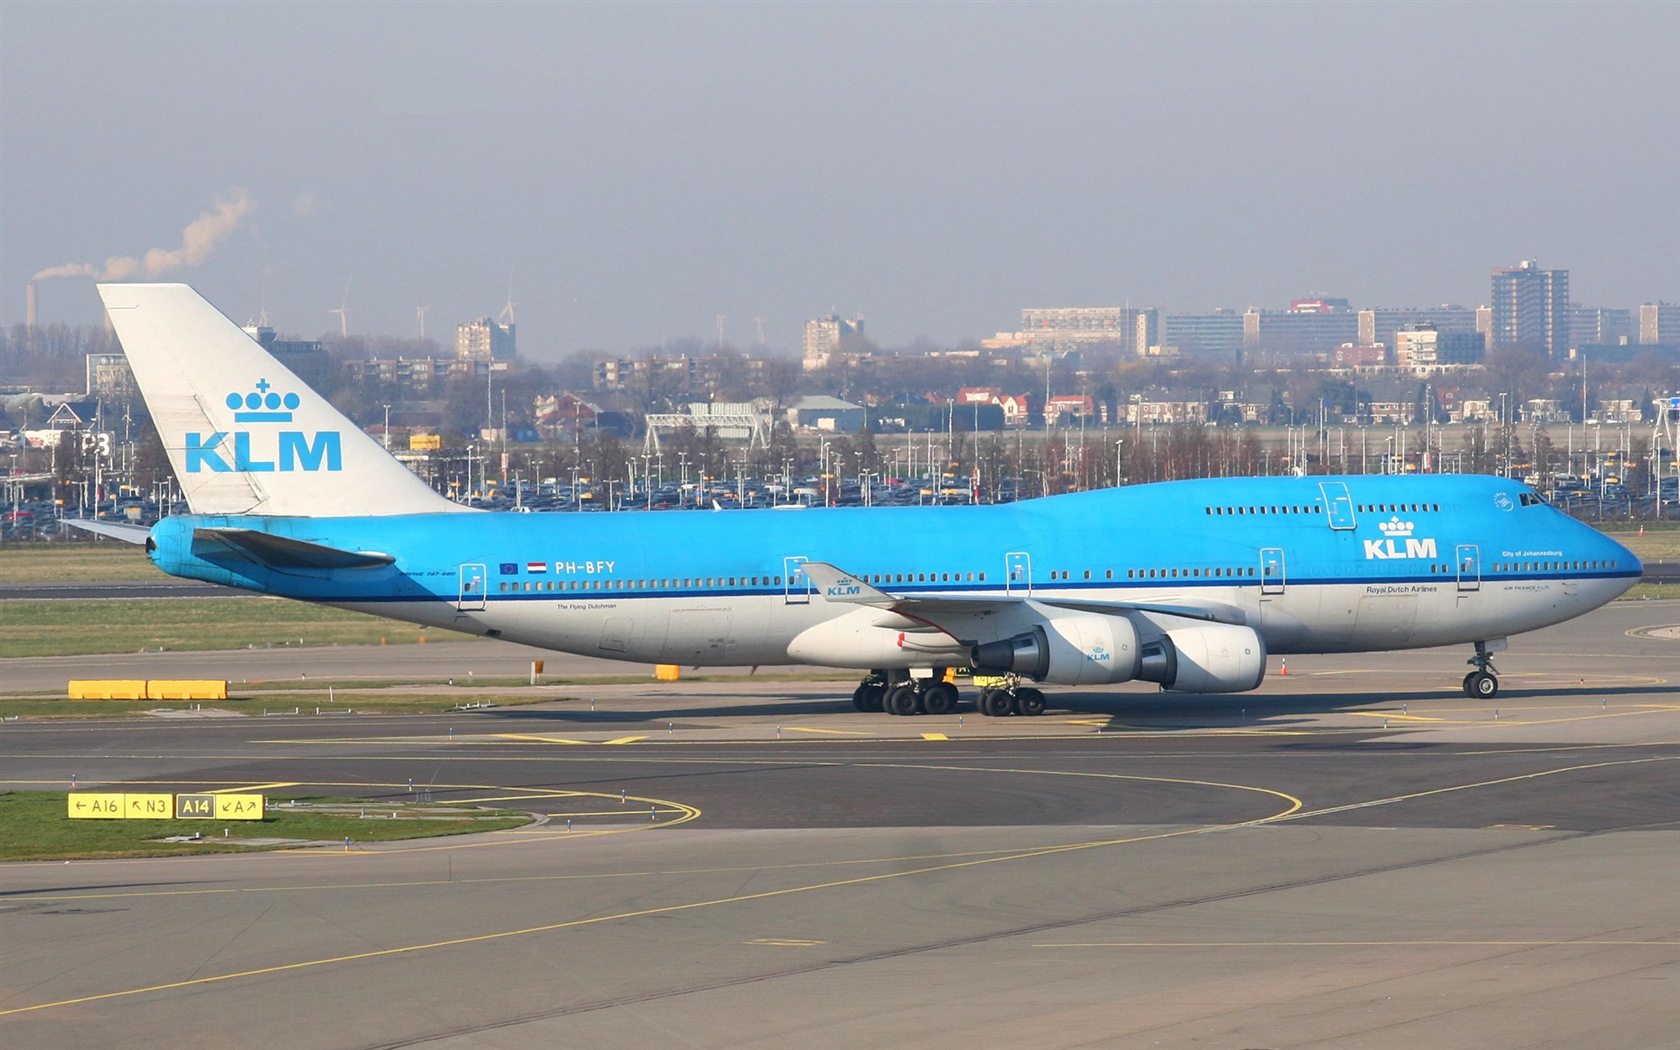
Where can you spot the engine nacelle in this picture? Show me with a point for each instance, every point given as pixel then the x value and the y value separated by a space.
pixel 1092 649
pixel 1214 658
pixel 1077 649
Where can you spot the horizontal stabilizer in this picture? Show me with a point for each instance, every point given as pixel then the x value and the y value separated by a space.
pixel 112 529
pixel 279 552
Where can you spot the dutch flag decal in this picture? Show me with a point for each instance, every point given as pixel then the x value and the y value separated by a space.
pixel 536 566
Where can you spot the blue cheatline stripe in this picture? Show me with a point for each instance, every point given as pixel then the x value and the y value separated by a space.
pixel 1039 590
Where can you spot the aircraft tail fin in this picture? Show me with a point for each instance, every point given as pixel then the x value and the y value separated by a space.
pixel 244 434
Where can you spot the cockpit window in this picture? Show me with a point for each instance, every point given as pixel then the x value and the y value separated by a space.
pixel 1530 499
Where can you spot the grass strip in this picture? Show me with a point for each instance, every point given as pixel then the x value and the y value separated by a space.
pixel 89 561
pixel 77 627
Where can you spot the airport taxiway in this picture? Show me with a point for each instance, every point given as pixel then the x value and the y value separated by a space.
pixel 1356 854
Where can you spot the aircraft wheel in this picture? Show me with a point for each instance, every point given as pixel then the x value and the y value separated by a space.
pixel 1467 690
pixel 1483 686
pixel 904 700
pixel 867 697
pixel 1029 701
pixel 940 698
pixel 984 702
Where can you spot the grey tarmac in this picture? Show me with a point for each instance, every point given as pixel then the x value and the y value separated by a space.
pixel 1354 855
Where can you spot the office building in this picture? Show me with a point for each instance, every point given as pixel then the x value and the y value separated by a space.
pixel 1380 325
pixel 1309 326
pixel 1599 326
pixel 484 340
pixel 1065 327
pixel 1531 309
pixel 1422 348
pixel 827 336
pixel 1219 333
pixel 1659 323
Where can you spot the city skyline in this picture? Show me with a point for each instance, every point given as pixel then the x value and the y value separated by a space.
pixel 624 176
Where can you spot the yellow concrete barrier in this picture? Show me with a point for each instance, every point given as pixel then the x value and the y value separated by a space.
pixel 108 689
pixel 667 672
pixel 187 689
pixel 155 689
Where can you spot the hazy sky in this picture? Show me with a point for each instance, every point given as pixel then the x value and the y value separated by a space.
pixel 641 168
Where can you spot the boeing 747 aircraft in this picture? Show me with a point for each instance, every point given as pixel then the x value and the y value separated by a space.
pixel 1188 584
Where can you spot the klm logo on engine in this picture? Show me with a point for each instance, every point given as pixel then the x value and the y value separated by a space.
pixel 263 450
pixel 1399 542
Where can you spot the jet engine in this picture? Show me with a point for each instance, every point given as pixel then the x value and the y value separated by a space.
pixel 1093 649
pixel 1214 658
pixel 1077 649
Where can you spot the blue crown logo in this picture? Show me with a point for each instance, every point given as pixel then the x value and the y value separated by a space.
pixel 262 405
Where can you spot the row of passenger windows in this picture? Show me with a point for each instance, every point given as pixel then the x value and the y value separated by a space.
pixel 1551 566
pixel 688 582
pixel 1316 508
pixel 1398 508
pixel 1159 574
pixel 536 586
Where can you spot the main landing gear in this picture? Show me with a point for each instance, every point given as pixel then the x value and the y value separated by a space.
pixel 896 693
pixel 1483 682
pixel 1012 698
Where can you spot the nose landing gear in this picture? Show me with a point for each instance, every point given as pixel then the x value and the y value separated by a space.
pixel 1483 682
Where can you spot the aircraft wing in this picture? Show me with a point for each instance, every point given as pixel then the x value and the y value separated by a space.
pixel 280 552
pixel 113 529
pixel 837 585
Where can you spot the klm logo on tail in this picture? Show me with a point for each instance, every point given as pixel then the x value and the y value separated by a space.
pixel 265 450
pixel 1400 543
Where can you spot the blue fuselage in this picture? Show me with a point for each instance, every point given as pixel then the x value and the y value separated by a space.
pixel 1315 564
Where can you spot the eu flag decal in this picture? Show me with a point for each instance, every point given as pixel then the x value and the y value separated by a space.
pixel 510 568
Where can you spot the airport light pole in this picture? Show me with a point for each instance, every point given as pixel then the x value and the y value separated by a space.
pixel 823 470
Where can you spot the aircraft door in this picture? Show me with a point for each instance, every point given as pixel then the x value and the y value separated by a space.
pixel 474 582
pixel 1338 505
pixel 1468 561
pixel 1271 570
pixel 1017 573
pixel 797 589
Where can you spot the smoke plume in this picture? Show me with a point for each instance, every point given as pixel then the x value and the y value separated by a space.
pixel 198 240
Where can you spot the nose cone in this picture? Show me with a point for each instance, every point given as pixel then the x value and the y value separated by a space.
pixel 1626 565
